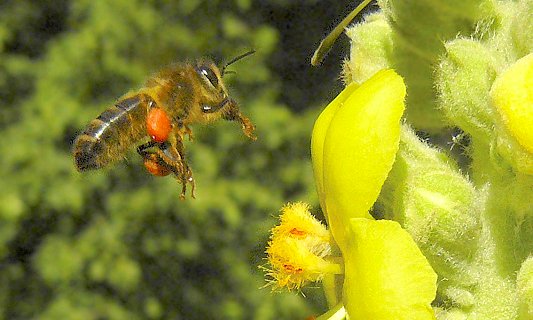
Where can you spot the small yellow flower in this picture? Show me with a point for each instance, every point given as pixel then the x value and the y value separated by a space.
pixel 354 146
pixel 512 95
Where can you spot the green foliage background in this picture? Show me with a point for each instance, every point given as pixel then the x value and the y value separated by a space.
pixel 118 243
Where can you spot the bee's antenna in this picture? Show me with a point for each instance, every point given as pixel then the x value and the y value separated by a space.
pixel 237 58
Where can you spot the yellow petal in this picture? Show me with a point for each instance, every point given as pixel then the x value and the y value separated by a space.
pixel 386 275
pixel 360 147
pixel 318 136
pixel 512 95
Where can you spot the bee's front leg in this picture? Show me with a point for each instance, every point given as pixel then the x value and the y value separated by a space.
pixel 232 113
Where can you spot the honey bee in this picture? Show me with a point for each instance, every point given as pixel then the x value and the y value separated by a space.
pixel 170 102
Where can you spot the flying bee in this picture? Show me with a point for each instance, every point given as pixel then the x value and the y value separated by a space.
pixel 164 109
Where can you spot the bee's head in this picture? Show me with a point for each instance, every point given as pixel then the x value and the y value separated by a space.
pixel 211 76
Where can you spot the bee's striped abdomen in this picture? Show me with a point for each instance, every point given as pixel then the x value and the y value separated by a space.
pixel 109 136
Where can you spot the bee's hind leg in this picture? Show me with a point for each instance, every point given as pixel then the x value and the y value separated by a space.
pixel 143 151
pixel 169 156
pixel 176 150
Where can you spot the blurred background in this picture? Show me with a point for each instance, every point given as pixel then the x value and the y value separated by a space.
pixel 118 243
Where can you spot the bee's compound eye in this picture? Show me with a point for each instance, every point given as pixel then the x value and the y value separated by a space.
pixel 209 75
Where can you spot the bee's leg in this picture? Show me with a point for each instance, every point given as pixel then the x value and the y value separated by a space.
pixel 183 130
pixel 160 154
pixel 177 150
pixel 168 155
pixel 232 113
pixel 187 178
pixel 142 149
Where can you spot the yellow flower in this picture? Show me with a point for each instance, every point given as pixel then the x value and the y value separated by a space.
pixel 353 148
pixel 512 95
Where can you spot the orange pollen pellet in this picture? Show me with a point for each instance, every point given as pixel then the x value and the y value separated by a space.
pixel 158 124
